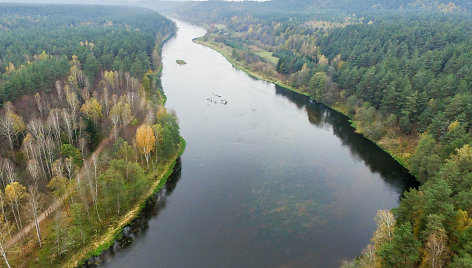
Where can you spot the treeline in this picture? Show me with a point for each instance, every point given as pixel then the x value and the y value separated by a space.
pixel 82 141
pixel 405 80
pixel 416 70
pixel 303 10
pixel 102 38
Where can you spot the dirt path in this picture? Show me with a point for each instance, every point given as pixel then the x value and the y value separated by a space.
pixel 18 236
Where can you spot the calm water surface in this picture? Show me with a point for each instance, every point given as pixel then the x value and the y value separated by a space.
pixel 268 179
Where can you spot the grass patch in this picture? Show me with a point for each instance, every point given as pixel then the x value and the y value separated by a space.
pixel 267 57
pixel 220 26
pixel 180 62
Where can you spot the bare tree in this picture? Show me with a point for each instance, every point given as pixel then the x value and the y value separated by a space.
pixel 114 99
pixel 106 101
pixel 2 175
pixel 54 123
pixel 5 229
pixel 58 168
pixel 34 200
pixel 33 168
pixel 36 128
pixel 134 84
pixel 93 189
pixel 61 243
pixel 85 93
pixel 2 207
pixel 58 86
pixel 67 118
pixel 83 147
pixel 127 80
pixel 70 167
pixel 115 116
pixel 39 103
pixel 32 149
pixel 81 190
pixel 436 249
pixel 126 114
pixel 28 145
pixel 10 125
pixel 73 101
pixel 9 170
pixel 385 226
pixel 95 165
pixel 42 145
pixel 50 148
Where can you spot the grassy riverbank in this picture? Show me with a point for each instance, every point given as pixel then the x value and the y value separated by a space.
pixel 107 240
pixel 388 144
pixel 158 177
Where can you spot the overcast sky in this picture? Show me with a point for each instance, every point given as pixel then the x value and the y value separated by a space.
pixel 99 1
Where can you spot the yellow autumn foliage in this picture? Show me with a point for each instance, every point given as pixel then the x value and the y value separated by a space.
pixel 145 139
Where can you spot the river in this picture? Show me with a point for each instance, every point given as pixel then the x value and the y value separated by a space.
pixel 268 179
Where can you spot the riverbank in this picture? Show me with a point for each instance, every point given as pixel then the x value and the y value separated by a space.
pixel 386 144
pixel 107 240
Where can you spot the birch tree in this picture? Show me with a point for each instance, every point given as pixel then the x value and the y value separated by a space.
pixel 72 100
pixel 54 123
pixel 39 103
pixel 115 116
pixel 145 141
pixel 70 168
pixel 28 146
pixel 5 229
pixel 93 187
pixel 15 192
pixel 32 149
pixel 11 125
pixel 436 249
pixel 92 110
pixel 34 200
pixel 385 227
pixel 50 150
pixel 59 92
pixel 83 147
pixel 58 168
pixel 34 170
pixel 67 119
pixel 126 114
pixel 61 241
pixel 36 128
pixel 106 100
pixel 2 207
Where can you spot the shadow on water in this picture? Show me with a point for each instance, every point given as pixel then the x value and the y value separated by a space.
pixel 372 155
pixel 154 205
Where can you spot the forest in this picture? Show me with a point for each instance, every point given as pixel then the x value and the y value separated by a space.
pixel 85 136
pixel 401 70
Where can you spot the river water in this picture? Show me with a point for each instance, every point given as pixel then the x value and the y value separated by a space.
pixel 268 179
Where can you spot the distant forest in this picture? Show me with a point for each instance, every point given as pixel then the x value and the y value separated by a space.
pixel 102 39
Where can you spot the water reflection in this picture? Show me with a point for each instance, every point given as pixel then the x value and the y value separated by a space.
pixel 377 160
pixel 154 206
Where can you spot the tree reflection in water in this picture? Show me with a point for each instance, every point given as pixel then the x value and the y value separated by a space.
pixel 154 205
